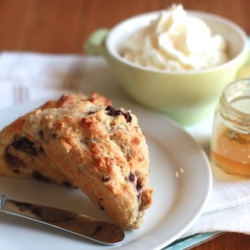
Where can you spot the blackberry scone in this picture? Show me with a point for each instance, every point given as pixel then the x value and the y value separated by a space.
pixel 94 147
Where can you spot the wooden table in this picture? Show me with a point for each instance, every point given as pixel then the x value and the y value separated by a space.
pixel 61 26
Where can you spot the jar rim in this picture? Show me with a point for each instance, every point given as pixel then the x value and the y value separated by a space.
pixel 230 114
pixel 237 90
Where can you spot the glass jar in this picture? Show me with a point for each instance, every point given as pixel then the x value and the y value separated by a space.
pixel 230 142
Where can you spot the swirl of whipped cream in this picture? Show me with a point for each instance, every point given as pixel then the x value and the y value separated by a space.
pixel 176 41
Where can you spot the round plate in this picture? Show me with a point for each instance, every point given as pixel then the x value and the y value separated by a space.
pixel 179 174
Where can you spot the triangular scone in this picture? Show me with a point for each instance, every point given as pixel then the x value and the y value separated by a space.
pixel 96 148
pixel 24 158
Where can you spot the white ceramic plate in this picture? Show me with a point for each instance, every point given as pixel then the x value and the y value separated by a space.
pixel 179 173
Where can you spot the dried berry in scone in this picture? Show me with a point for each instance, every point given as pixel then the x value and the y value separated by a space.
pixel 102 151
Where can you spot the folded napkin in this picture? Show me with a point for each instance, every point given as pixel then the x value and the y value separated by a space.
pixel 30 76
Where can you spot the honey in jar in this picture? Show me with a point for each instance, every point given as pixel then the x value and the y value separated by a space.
pixel 230 142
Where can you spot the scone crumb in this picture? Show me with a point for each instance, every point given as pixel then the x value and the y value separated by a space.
pixel 146 199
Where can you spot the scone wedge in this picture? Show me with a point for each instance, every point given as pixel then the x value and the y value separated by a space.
pixel 90 145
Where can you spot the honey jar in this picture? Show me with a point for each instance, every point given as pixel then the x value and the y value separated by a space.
pixel 230 141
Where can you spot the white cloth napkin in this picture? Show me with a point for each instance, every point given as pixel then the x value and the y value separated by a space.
pixel 29 76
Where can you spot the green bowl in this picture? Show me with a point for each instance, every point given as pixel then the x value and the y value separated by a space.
pixel 186 97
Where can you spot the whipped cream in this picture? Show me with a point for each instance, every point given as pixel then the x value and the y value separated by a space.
pixel 176 41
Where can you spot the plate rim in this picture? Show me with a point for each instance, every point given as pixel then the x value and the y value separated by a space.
pixel 202 154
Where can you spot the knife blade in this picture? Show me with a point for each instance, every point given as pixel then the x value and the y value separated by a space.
pixel 100 231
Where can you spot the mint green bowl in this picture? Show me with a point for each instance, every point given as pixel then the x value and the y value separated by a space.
pixel 186 97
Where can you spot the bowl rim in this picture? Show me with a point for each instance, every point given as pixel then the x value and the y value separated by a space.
pixel 242 35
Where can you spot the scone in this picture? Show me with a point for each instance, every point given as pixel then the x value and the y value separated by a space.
pixel 89 145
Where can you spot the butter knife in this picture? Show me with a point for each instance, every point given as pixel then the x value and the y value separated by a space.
pixel 100 231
